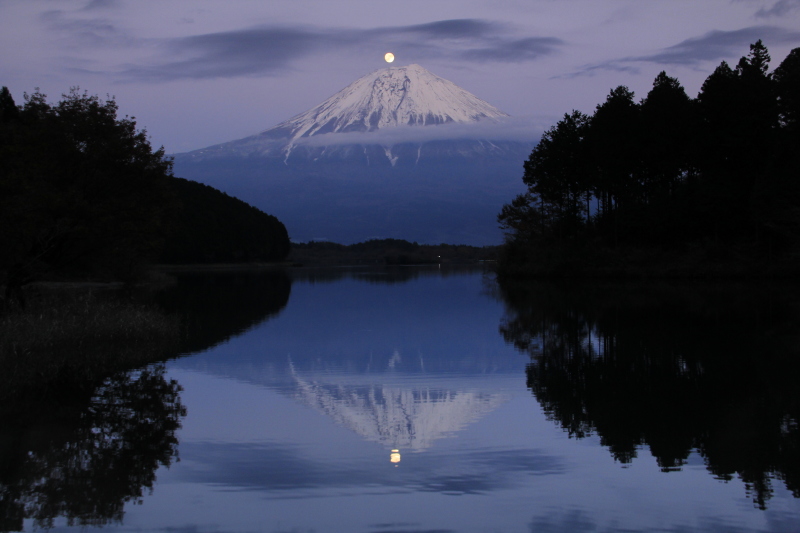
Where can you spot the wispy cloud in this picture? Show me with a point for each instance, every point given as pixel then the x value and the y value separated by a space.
pixel 591 70
pixel 100 4
pixel 510 129
pixel 268 50
pixel 712 46
pixel 514 51
pixel 447 29
pixel 235 53
pixel 84 32
pixel 717 45
pixel 779 9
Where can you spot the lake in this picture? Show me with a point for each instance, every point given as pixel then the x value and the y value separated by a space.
pixel 427 399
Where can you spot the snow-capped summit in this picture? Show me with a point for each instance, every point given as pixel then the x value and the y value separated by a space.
pixel 369 118
pixel 398 153
pixel 393 96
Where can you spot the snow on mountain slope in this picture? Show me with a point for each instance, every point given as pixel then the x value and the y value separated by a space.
pixel 393 96
pixel 399 153
pixel 382 109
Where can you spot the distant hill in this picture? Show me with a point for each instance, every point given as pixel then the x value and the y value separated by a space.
pixel 212 227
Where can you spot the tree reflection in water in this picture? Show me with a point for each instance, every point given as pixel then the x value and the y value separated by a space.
pixel 702 368
pixel 215 306
pixel 85 462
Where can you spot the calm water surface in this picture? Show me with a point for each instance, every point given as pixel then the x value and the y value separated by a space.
pixel 421 400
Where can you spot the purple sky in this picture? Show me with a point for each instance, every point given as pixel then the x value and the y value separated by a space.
pixel 200 72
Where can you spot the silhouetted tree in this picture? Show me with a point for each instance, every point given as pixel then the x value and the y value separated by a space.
pixel 668 173
pixel 717 175
pixel 105 453
pixel 81 190
pixel 556 174
pixel 614 146
pixel 787 88
pixel 739 113
pixel 521 220
pixel 8 109
pixel 776 197
pixel 666 127
pixel 211 227
pixel 216 306
pixel 673 368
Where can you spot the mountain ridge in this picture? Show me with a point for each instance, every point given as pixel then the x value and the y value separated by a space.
pixel 394 97
pixel 398 153
pixel 409 95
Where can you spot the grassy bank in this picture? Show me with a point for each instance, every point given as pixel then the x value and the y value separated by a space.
pixel 68 341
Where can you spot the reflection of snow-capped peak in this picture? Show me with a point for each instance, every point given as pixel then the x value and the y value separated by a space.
pixel 394 416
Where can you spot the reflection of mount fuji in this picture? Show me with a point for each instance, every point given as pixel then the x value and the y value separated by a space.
pixel 396 416
pixel 336 348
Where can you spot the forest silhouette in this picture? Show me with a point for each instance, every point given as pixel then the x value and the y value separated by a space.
pixel 676 368
pixel 713 179
pixel 86 458
pixel 83 194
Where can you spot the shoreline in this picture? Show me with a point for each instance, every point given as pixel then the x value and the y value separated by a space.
pixel 194 267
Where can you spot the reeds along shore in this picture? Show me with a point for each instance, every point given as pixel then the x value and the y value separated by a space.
pixel 66 342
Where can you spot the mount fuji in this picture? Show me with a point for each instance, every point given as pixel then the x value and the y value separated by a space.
pixel 399 153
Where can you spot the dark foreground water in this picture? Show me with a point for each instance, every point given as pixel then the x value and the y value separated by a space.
pixel 421 400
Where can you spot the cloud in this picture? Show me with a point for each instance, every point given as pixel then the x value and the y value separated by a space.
pixel 268 50
pixel 449 29
pixel 591 70
pixel 510 129
pixel 88 33
pixel 713 46
pixel 515 51
pixel 779 9
pixel 717 45
pixel 100 4
pixel 234 53
pixel 272 50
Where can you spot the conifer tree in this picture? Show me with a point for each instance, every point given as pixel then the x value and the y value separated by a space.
pixel 787 88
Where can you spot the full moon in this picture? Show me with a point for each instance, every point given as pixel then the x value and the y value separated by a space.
pixel 389 57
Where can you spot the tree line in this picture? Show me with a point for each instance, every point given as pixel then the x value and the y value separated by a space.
pixel 82 192
pixel 212 227
pixel 680 369
pixel 389 252
pixel 719 172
